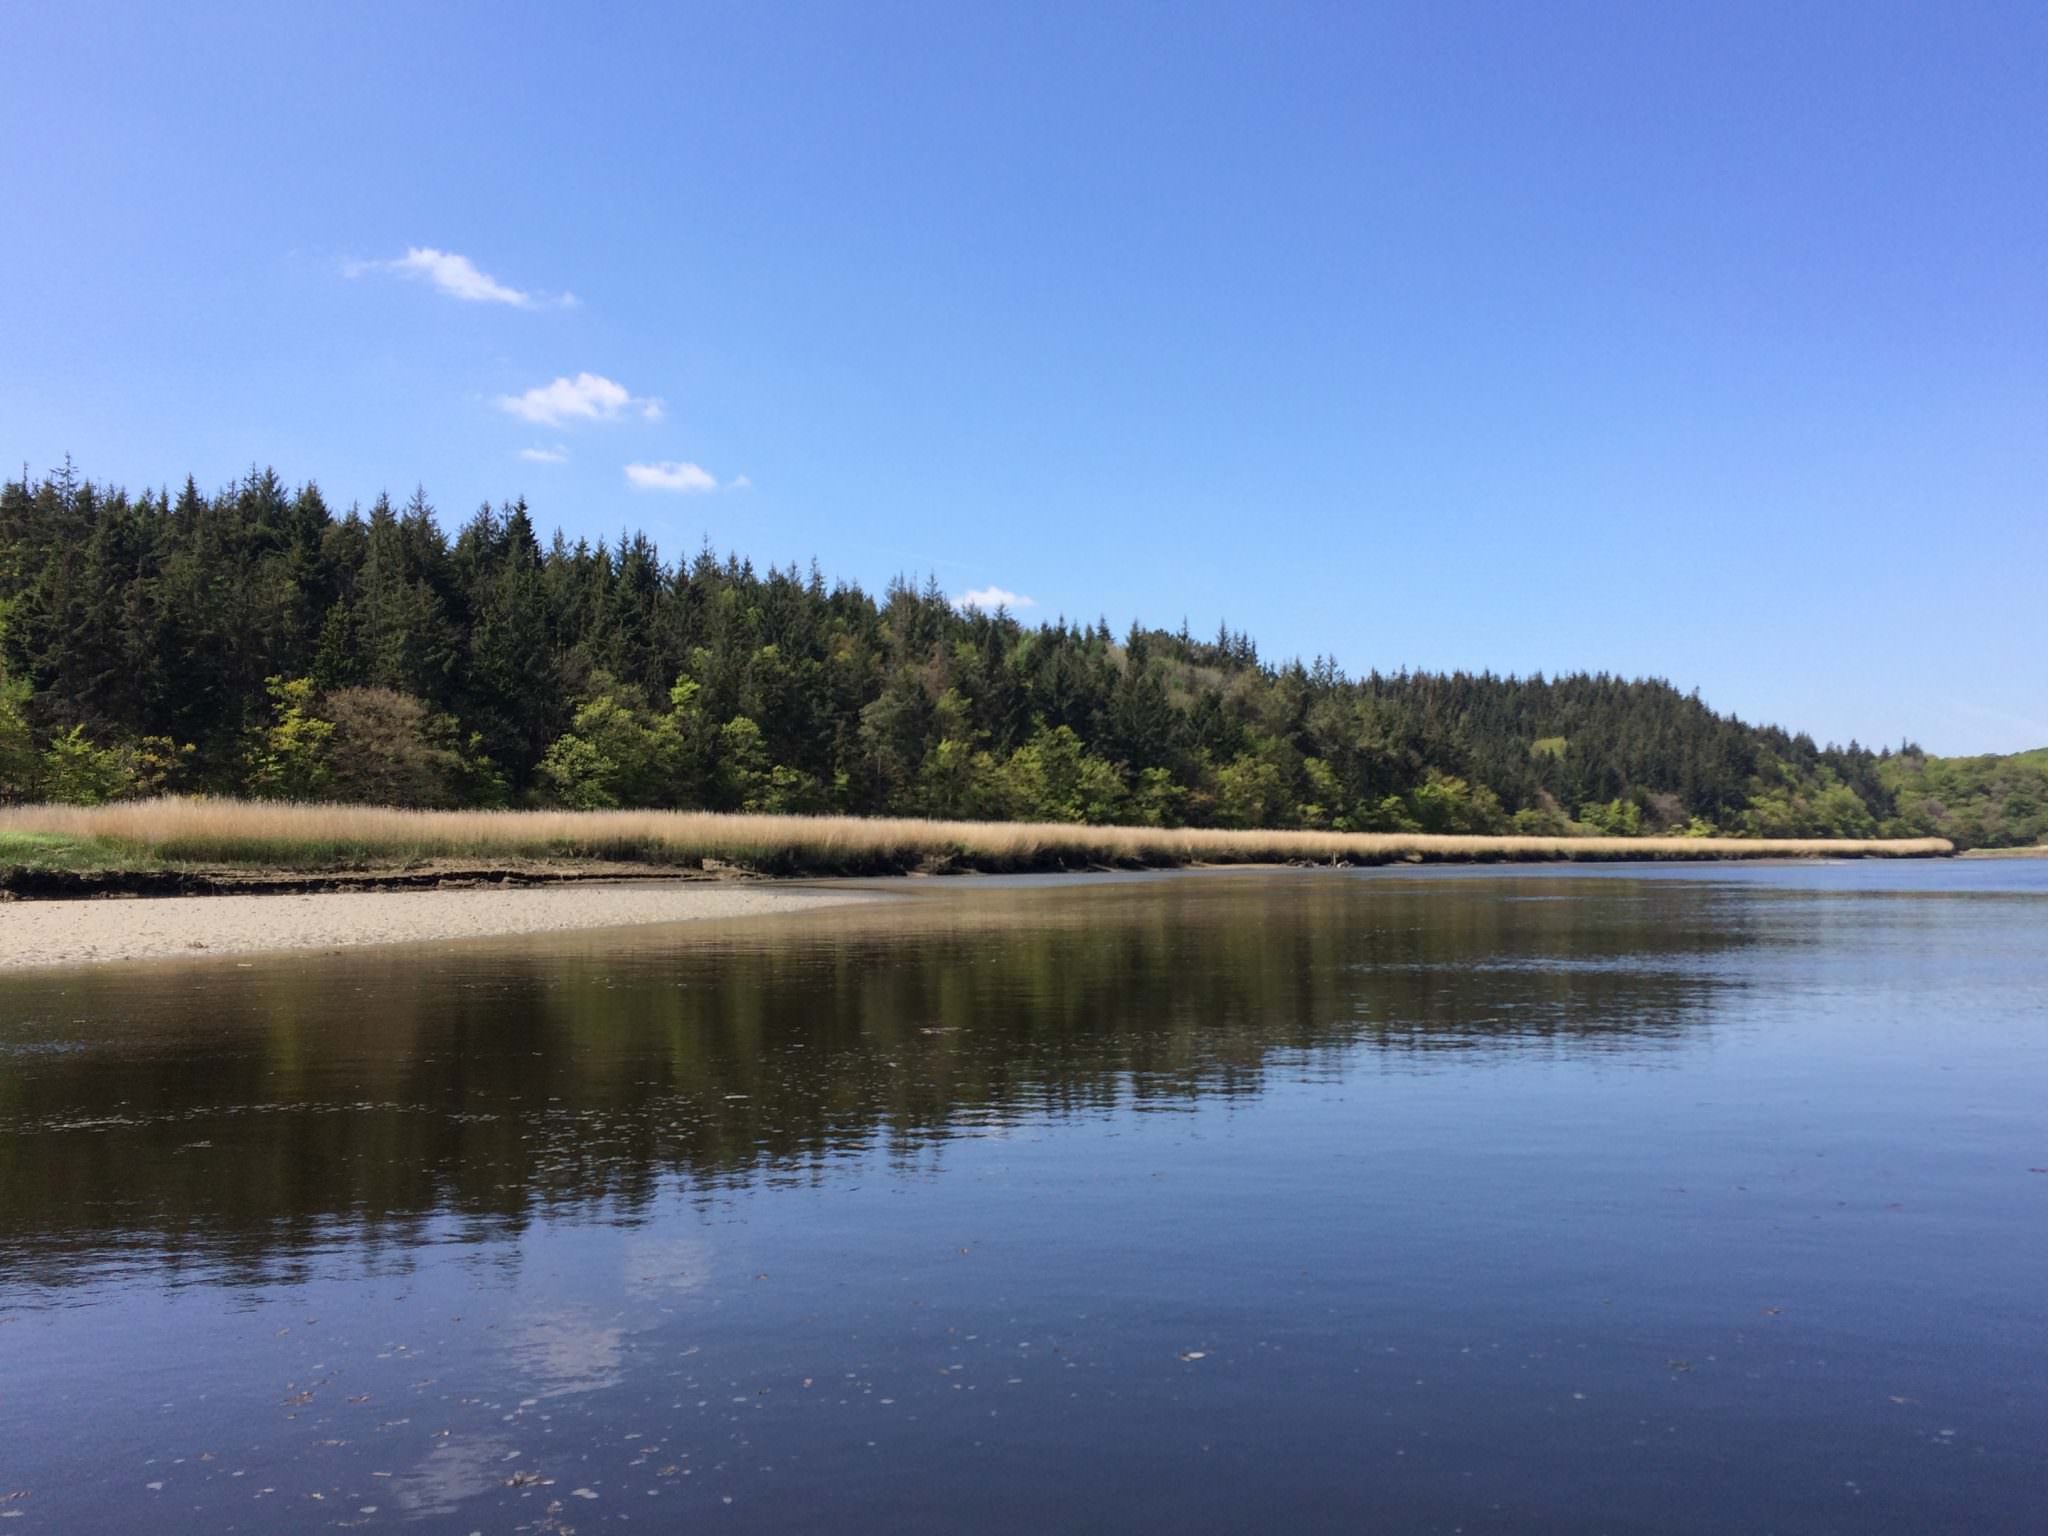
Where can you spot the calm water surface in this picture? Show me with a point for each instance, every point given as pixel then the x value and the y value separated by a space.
pixel 1483 1201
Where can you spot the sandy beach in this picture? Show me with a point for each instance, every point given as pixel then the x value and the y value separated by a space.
pixel 39 933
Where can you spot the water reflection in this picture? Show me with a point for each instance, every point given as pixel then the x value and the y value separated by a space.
pixel 244 1117
pixel 1488 1202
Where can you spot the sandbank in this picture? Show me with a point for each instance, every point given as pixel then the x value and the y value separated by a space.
pixel 44 933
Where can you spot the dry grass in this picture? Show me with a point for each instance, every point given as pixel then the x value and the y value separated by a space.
pixel 300 837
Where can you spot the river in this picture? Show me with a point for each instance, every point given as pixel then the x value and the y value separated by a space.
pixel 1580 1199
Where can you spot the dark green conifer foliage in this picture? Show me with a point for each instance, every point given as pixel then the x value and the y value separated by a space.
pixel 495 665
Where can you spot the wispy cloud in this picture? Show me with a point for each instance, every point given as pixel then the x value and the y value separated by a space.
pixel 555 455
pixel 739 483
pixel 669 475
pixel 458 277
pixel 989 599
pixel 587 397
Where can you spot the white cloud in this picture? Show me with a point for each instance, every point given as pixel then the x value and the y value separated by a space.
pixel 739 483
pixel 458 277
pixel 587 397
pixel 991 598
pixel 668 475
pixel 555 455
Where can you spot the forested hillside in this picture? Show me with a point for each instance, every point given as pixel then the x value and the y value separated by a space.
pixel 253 641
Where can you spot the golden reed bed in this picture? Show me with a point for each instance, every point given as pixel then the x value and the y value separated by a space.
pixel 283 835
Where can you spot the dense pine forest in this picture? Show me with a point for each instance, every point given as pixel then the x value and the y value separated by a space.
pixel 255 642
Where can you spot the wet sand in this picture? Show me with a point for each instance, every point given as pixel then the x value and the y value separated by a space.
pixel 36 933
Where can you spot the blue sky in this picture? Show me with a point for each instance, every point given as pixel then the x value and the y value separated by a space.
pixel 1703 342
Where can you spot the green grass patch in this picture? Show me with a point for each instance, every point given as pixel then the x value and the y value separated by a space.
pixel 49 850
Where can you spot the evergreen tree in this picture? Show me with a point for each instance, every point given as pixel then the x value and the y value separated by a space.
pixel 251 640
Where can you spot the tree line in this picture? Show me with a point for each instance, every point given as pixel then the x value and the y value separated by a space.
pixel 252 641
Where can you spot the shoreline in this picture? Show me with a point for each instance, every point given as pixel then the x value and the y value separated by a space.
pixel 38 884
pixel 34 883
pixel 299 914
pixel 181 847
pixel 79 932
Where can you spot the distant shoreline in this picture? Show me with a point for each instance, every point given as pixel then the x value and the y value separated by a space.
pixel 238 847
pixel 24 885
pixel 204 846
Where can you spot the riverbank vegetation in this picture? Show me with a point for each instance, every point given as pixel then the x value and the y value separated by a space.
pixel 1976 802
pixel 189 833
pixel 253 643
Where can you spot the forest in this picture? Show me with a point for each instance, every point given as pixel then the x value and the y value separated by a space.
pixel 254 642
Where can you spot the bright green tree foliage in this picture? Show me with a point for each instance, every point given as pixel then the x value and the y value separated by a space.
pixel 288 757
